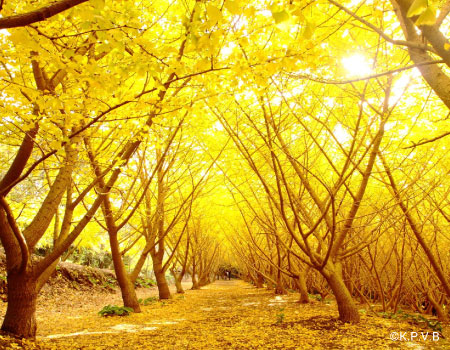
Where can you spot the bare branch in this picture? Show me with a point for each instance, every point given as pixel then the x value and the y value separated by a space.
pixel 379 31
pixel 38 15
pixel 445 10
pixel 429 140
pixel 372 76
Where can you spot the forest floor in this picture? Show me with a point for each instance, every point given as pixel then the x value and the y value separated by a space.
pixel 224 315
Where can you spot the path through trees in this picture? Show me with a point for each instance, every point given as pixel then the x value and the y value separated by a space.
pixel 297 144
pixel 223 315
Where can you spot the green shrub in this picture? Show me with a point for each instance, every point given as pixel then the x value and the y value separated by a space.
pixel 93 280
pixel 317 297
pixel 280 316
pixel 109 283
pixel 114 310
pixel 144 282
pixel 90 257
pixel 414 319
pixel 148 301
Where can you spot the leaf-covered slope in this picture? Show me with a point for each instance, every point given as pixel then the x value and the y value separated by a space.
pixel 69 275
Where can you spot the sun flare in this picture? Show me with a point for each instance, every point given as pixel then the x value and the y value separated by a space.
pixel 357 65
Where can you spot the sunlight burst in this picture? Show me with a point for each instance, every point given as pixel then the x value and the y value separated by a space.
pixel 357 65
pixel 341 134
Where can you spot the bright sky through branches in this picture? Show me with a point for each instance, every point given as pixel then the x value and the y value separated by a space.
pixel 357 65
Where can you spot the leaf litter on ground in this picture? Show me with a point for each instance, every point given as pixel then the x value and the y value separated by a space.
pixel 223 315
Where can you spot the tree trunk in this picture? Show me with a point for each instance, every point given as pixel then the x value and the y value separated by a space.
pixel 204 281
pixel 348 312
pixel 124 280
pixel 129 296
pixel 195 282
pixel 178 285
pixel 279 288
pixel 139 265
pixel 302 288
pixel 440 311
pixel 20 318
pixel 270 285
pixel 178 277
pixel 160 275
pixel 259 280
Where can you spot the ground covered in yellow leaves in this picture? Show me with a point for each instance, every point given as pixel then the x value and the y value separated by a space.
pixel 224 315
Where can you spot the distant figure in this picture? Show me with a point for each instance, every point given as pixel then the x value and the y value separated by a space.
pixel 227 273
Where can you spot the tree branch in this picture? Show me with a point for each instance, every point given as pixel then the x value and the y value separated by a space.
pixel 38 15
pixel 20 238
pixel 367 77
pixel 420 143
pixel 379 31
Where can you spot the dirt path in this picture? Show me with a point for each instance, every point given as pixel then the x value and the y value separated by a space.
pixel 224 315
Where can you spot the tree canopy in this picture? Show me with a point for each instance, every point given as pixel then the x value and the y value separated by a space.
pixel 302 143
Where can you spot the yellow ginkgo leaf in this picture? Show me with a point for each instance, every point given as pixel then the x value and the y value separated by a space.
pixel 427 18
pixel 214 13
pixel 280 16
pixel 233 7
pixel 55 144
pixel 417 7
pixel 309 30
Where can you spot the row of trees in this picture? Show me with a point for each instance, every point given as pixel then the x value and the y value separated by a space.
pixel 337 191
pixel 123 119
pixel 334 206
pixel 339 199
pixel 83 99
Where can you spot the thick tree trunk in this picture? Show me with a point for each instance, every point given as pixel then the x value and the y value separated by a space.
pixel 195 282
pixel 348 312
pixel 160 275
pixel 440 311
pixel 177 277
pixel 300 282
pixel 20 318
pixel 279 289
pixel 178 285
pixel 270 285
pixel 204 281
pixel 259 280
pixel 129 296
